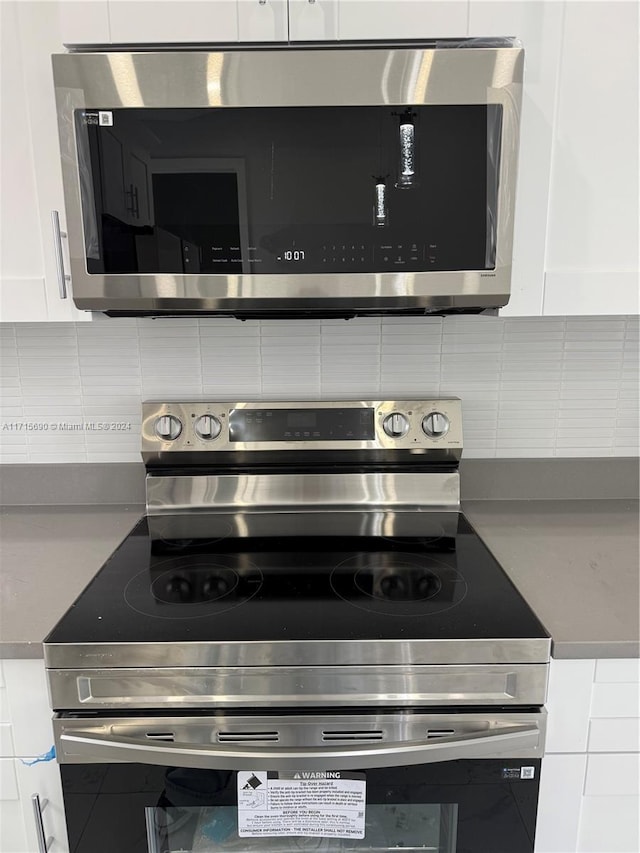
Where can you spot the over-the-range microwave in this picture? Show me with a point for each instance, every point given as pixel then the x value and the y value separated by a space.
pixel 323 180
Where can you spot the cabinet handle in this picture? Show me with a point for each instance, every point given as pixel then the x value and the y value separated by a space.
pixel 39 806
pixel 57 245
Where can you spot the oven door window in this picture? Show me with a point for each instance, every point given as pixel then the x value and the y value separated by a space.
pixel 405 826
pixel 289 189
pixel 465 806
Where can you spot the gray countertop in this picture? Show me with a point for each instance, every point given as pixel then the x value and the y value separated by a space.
pixel 47 557
pixel 575 561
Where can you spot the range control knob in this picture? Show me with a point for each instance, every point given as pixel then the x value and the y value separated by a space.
pixel 207 427
pixel 435 424
pixel 168 427
pixel 396 425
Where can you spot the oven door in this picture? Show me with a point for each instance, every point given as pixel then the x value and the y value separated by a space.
pixel 463 783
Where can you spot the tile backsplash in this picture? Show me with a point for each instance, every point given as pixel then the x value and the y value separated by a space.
pixel 530 387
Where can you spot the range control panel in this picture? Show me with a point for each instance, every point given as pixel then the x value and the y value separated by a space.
pixel 418 425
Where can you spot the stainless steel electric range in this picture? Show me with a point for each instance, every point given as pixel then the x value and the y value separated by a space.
pixel 303 645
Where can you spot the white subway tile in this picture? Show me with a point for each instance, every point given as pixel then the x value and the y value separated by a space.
pixel 13 440
pixel 578 441
pixel 58 457
pixel 615 343
pixel 626 435
pixel 591 452
pixel 119 456
pixel 585 393
pixel 7 458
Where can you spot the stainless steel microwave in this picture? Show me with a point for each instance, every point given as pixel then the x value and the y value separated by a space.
pixel 283 181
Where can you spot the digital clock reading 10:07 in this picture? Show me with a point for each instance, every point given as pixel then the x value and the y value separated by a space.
pixel 293 255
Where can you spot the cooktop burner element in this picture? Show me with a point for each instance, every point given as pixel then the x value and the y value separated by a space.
pixel 398 584
pixel 190 588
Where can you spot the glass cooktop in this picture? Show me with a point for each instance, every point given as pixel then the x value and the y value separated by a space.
pixel 299 576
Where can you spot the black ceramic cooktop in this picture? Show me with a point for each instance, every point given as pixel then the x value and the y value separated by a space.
pixel 286 576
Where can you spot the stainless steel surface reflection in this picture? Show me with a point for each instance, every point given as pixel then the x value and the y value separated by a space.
pixel 304 492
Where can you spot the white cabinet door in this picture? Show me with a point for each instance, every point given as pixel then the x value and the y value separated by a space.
pixel 30 166
pixel 81 22
pixel 559 803
pixel 313 20
pixel 263 20
pixel 592 247
pixel 133 22
pixel 539 26
pixel 30 769
pixel 211 21
pixel 43 779
pixel 22 290
pixel 39 38
pixel 403 19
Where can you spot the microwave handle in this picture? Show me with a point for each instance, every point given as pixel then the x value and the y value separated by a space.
pixel 63 278
pixel 485 745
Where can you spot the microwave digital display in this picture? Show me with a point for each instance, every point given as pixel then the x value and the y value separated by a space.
pixel 289 190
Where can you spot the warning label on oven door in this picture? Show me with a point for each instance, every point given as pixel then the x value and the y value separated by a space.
pixel 320 803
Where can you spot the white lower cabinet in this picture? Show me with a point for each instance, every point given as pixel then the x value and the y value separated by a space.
pixel 589 785
pixel 560 803
pixel 27 735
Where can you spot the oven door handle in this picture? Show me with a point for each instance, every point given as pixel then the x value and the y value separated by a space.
pixel 516 739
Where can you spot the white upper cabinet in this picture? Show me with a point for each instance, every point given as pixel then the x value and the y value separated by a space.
pixel 263 20
pixel 81 22
pixel 313 20
pixel 592 241
pixel 21 264
pixel 167 21
pixel 173 21
pixel 539 26
pixel 403 19
pixel 576 217
pixel 30 285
